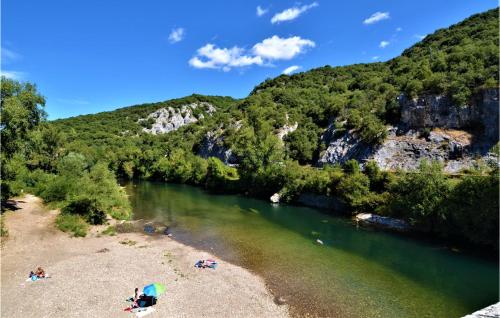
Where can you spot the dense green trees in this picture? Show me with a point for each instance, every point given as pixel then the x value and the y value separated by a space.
pixel 473 208
pixel 21 108
pixel 34 159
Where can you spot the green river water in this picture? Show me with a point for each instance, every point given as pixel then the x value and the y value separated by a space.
pixel 356 273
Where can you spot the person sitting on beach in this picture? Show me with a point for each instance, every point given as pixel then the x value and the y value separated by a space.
pixel 40 273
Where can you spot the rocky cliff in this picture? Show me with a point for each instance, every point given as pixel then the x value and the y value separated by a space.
pixel 432 111
pixel 431 128
pixel 165 120
pixel 213 145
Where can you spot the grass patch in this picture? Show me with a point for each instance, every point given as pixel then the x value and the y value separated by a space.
pixel 72 223
pixel 110 230
pixel 128 242
pixel 3 229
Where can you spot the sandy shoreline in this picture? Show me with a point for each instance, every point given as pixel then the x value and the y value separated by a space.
pixel 92 276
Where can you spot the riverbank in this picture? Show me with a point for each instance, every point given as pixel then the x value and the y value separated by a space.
pixel 92 276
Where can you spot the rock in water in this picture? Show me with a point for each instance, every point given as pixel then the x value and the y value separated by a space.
pixel 275 198
pixel 382 221
pixel 320 242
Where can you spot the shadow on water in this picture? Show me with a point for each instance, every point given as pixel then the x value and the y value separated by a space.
pixel 358 273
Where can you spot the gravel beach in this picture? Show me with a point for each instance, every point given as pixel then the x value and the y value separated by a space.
pixel 92 276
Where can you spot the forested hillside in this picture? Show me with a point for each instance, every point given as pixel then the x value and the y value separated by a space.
pixel 276 135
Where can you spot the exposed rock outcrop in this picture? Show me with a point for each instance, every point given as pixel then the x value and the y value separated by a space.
pixel 286 129
pixel 432 129
pixel 341 149
pixel 213 145
pixel 435 111
pixel 430 111
pixel 384 222
pixel 165 120
pixel 451 147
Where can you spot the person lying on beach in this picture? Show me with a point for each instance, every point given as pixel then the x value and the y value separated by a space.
pixel 40 273
pixel 209 263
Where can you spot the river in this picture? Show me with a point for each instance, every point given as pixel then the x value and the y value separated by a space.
pixel 356 273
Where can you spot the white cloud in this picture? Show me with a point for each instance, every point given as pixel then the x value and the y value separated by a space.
pixel 376 17
pixel 176 35
pixel 13 74
pixel 292 13
pixel 209 56
pixel 270 49
pixel 261 11
pixel 276 48
pixel 376 57
pixel 8 55
pixel 399 29
pixel 291 69
pixel 383 44
pixel 420 37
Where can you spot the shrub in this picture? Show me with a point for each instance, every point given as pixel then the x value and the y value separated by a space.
pixel 87 209
pixel 3 229
pixel 58 190
pixel 473 208
pixel 220 176
pixel 419 196
pixel 72 223
pixel 354 190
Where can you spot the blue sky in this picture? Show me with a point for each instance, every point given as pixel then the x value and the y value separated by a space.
pixel 91 56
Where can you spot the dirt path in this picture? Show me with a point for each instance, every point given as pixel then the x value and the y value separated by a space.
pixel 92 277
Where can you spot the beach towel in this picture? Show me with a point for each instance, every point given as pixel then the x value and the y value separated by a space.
pixel 141 312
pixel 29 279
pixel 208 263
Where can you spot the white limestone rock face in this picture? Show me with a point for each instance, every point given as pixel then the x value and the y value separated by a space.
pixel 406 151
pixel 213 145
pixel 286 129
pixel 342 148
pixel 170 119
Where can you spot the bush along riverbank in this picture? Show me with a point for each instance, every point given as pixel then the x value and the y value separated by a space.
pixel 462 209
